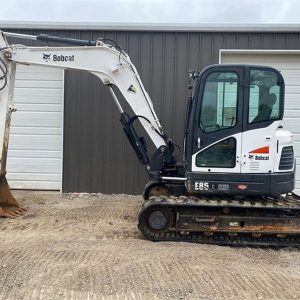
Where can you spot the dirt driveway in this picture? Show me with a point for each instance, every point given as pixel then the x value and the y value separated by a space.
pixel 88 247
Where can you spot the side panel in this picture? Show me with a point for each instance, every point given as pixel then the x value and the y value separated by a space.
pixel 259 149
pixel 241 184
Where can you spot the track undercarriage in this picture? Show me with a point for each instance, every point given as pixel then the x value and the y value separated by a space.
pixel 224 221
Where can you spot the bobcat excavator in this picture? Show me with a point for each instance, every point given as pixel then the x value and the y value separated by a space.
pixel 235 181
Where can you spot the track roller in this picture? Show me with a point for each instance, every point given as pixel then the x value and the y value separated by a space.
pixel 157 220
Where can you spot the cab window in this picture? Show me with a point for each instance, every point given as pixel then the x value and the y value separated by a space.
pixel 264 96
pixel 219 155
pixel 219 103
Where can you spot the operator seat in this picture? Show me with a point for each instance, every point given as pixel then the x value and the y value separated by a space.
pixel 265 108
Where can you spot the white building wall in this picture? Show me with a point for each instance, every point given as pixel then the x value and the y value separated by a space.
pixel 35 148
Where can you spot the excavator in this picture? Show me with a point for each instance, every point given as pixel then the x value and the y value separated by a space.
pixel 234 184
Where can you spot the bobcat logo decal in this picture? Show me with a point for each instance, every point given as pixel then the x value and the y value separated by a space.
pixel 46 57
pixel 132 89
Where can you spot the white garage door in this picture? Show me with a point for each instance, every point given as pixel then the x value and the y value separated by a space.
pixel 35 149
pixel 288 62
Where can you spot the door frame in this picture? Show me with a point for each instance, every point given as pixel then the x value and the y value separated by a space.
pixel 213 138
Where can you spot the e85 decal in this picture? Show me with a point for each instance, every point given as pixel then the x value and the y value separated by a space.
pixel 201 186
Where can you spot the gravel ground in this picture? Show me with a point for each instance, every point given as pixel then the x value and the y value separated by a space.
pixel 88 247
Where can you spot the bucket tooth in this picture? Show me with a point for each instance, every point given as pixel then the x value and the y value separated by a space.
pixel 9 207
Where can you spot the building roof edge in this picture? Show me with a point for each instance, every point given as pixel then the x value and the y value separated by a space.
pixel 150 26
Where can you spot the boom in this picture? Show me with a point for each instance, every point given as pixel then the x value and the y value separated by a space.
pixel 110 64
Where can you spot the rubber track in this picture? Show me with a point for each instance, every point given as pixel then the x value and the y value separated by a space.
pixel 220 238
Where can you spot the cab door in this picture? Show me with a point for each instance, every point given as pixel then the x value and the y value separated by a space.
pixel 217 128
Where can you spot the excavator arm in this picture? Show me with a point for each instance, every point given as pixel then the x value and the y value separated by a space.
pixel 111 65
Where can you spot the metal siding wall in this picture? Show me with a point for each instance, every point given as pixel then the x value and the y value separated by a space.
pixel 163 59
pixel 97 156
